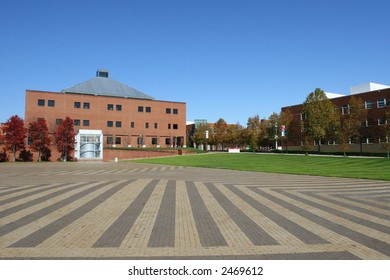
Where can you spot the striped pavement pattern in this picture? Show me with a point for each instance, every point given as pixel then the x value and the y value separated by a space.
pixel 132 217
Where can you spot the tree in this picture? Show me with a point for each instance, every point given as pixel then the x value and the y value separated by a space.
pixel 287 121
pixel 199 136
pixel 351 118
pixel 274 128
pixel 38 134
pixel 320 120
pixel 64 138
pixel 14 135
pixel 234 135
pixel 254 132
pixel 220 133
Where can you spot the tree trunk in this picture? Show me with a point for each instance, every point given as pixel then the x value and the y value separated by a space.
pixel 14 153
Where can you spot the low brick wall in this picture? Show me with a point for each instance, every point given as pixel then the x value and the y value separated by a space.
pixel 111 154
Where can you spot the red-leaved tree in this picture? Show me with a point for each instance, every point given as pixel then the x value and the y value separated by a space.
pixel 14 135
pixel 39 138
pixel 64 138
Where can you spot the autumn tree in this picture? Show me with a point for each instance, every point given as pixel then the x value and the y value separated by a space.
pixel 219 134
pixel 273 128
pixel 39 138
pixel 64 138
pixel 14 135
pixel 287 119
pixel 351 118
pixel 254 132
pixel 233 135
pixel 199 136
pixel 320 121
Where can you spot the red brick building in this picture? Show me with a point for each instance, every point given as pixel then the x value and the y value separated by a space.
pixel 107 113
pixel 375 98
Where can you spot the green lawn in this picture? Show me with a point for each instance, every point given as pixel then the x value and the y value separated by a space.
pixel 368 168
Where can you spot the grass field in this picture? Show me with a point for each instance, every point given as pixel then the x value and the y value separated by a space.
pixel 367 168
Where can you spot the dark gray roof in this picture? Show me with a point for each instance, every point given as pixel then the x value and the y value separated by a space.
pixel 106 86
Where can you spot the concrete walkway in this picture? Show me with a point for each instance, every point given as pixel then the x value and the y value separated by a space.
pixel 140 211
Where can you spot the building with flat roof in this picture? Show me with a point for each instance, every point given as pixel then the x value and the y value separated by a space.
pixel 375 99
pixel 107 113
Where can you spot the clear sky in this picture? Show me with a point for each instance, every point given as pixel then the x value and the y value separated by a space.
pixel 229 59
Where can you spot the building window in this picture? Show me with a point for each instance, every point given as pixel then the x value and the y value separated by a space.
pixel 132 125
pixel 368 104
pixel 382 121
pixel 367 140
pixel 383 139
pixel 168 110
pixel 109 140
pixel 86 105
pixel 147 125
pixel 51 103
pixel 346 110
pixel 119 107
pixel 303 116
pixel 155 125
pixel 85 122
pixel 77 105
pixel 140 109
pixel 175 111
pixel 110 123
pixel 148 109
pixel 140 141
pixel 118 140
pixel 320 142
pixel 154 141
pixel 368 122
pixel 76 122
pixel 167 141
pixel 175 126
pixel 352 140
pixel 41 102
pixel 118 124
pixel 110 107
pixel 58 121
pixel 381 103
pixel 169 126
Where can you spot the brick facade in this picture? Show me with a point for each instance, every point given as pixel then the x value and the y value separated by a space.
pixel 123 120
pixel 373 131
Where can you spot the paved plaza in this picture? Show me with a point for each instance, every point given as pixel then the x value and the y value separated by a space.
pixel 128 210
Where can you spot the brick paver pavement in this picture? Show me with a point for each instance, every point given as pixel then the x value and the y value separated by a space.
pixel 138 211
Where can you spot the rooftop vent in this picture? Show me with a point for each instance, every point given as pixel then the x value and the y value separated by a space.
pixel 102 73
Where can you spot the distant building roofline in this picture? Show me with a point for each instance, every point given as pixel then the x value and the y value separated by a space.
pixel 102 85
pixel 366 87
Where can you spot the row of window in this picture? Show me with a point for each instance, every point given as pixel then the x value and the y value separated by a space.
pixel 50 103
pixel 370 122
pixel 364 140
pixel 86 105
pixel 366 123
pixel 77 122
pixel 117 140
pixel 132 125
pixel 380 103
pixel 110 107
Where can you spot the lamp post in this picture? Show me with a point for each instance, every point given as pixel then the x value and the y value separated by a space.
pixel 276 136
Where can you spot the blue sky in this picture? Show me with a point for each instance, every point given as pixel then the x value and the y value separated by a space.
pixel 229 59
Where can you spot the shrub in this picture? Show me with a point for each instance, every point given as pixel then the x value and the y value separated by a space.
pixel 25 155
pixel 4 156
